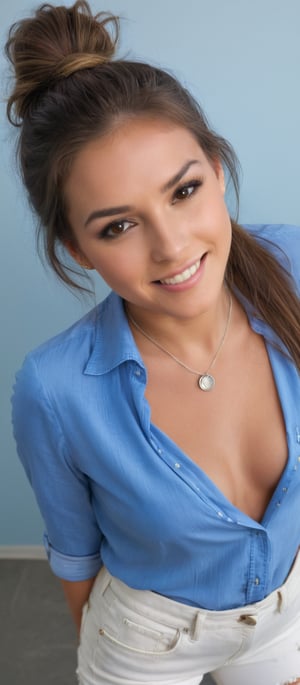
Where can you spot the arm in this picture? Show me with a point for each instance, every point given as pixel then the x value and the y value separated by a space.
pixel 72 538
pixel 77 594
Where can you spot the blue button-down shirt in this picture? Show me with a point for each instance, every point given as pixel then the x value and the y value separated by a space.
pixel 115 489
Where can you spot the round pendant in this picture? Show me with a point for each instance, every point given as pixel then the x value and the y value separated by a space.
pixel 206 382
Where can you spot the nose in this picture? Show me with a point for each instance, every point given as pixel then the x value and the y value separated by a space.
pixel 168 238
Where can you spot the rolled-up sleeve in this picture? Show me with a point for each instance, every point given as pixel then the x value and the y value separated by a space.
pixel 72 538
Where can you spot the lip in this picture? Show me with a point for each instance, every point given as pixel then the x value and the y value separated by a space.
pixel 181 269
pixel 189 282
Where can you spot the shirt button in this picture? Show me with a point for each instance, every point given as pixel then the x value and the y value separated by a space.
pixel 278 504
pixel 284 489
pixel 177 465
pixel 257 581
pixel 159 451
pixel 138 372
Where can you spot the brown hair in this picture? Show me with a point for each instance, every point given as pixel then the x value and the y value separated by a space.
pixel 68 90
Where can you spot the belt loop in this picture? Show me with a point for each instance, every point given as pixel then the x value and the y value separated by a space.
pixel 103 580
pixel 197 625
pixel 281 600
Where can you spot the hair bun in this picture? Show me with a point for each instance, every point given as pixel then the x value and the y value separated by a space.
pixel 53 44
pixel 81 60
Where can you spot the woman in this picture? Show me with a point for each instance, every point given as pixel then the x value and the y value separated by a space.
pixel 161 432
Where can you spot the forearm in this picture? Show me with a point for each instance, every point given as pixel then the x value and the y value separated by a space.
pixel 77 594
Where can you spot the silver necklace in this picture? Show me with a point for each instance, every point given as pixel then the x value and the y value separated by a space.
pixel 206 381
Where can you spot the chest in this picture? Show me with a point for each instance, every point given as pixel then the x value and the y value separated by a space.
pixel 235 433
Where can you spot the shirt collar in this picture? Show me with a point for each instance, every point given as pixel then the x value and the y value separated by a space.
pixel 114 343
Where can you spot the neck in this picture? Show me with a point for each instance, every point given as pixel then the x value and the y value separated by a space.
pixel 191 338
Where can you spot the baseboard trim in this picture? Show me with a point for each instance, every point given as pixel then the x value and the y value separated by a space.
pixel 22 552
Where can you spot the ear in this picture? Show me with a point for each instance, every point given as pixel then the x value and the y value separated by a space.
pixel 77 255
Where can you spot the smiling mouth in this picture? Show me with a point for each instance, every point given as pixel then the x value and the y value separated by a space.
pixel 183 276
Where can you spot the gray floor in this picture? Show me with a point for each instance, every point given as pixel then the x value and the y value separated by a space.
pixel 37 637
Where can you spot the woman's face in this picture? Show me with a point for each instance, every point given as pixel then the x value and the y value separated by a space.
pixel 147 212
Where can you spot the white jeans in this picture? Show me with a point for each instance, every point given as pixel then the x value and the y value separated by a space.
pixel 137 637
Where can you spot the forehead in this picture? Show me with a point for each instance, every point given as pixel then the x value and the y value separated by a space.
pixel 136 155
pixel 141 140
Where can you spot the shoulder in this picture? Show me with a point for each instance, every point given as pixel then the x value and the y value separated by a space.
pixel 283 240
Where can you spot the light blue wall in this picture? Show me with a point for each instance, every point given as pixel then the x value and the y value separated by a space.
pixel 241 58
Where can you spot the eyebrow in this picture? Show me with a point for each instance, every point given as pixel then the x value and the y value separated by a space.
pixel 175 179
pixel 111 211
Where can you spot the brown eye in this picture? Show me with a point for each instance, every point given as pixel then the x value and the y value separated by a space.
pixel 187 190
pixel 116 228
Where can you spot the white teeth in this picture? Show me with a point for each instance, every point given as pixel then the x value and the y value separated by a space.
pixel 184 276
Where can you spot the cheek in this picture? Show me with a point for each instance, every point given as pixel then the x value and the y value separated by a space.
pixel 228 238
pixel 115 268
pixel 223 234
pixel 220 225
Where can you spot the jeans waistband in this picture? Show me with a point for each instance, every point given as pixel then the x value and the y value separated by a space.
pixel 155 605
